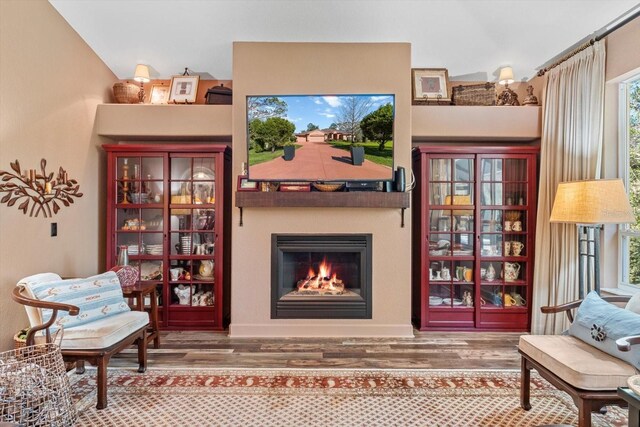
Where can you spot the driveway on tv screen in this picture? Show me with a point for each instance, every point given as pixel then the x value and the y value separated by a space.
pixel 318 161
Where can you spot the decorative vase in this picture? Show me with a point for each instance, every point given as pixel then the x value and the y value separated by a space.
pixel 491 273
pixel 123 255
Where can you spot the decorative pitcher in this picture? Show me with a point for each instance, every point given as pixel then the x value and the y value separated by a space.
pixel 491 273
pixel 511 271
pixel 206 268
pixel 446 274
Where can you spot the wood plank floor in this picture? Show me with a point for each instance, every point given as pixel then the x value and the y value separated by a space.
pixel 435 350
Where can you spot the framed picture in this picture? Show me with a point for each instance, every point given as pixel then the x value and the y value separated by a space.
pixel 183 89
pixel 245 185
pixel 159 94
pixel 430 84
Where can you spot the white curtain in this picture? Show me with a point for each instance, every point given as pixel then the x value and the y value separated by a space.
pixel 571 149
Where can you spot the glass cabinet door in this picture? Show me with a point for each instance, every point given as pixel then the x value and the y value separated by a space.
pixel 138 222
pixel 192 231
pixel 503 232
pixel 451 222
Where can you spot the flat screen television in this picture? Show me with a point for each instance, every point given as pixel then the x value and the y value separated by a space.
pixel 320 137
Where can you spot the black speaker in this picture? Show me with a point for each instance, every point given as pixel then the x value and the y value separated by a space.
pixel 400 180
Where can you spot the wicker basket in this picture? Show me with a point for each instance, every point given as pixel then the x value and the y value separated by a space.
pixel 478 94
pixel 327 187
pixel 126 93
pixel 19 342
pixel 34 387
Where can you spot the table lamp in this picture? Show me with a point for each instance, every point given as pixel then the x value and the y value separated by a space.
pixel 141 75
pixel 507 97
pixel 588 204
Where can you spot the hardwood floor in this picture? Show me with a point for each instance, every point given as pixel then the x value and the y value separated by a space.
pixel 435 350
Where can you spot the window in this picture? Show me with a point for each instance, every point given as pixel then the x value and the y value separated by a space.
pixel 629 140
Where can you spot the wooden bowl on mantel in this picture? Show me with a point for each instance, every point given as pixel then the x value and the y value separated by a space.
pixel 327 187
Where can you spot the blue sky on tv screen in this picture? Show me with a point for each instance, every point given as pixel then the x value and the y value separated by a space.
pixel 324 110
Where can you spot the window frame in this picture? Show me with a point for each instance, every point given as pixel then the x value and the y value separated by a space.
pixel 625 233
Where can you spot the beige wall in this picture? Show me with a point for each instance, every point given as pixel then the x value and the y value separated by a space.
pixel 50 84
pixel 276 68
pixel 623 62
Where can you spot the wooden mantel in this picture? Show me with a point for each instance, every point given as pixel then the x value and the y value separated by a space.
pixel 356 199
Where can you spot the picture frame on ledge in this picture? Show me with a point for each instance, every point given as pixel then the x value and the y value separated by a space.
pixel 159 94
pixel 244 184
pixel 184 89
pixel 430 86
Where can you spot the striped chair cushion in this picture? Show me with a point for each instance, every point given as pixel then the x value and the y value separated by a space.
pixel 97 297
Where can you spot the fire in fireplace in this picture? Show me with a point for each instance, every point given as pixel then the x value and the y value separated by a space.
pixel 321 276
pixel 324 283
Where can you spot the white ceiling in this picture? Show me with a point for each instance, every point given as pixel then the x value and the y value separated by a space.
pixel 471 38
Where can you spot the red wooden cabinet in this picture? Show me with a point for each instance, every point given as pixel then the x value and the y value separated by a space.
pixel 166 203
pixel 474 213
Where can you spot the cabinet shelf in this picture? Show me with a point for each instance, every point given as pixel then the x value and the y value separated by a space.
pixel 139 206
pixel 191 307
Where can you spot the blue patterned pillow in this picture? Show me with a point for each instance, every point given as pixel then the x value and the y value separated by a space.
pixel 97 297
pixel 600 324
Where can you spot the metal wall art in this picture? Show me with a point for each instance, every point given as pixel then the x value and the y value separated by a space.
pixel 40 191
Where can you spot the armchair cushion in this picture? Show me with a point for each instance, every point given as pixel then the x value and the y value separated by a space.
pixel 599 324
pixel 634 304
pixel 97 297
pixel 576 362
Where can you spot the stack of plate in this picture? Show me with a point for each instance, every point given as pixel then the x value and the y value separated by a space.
pixel 435 300
pixel 133 249
pixel 456 301
pixel 154 249
pixel 140 198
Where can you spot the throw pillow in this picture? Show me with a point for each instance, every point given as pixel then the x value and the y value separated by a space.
pixel 97 297
pixel 634 304
pixel 600 324
pixel 35 314
pixel 127 275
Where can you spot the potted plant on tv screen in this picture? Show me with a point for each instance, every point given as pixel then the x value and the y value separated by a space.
pixel 357 154
pixel 289 151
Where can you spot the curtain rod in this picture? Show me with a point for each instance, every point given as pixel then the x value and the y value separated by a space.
pixel 590 42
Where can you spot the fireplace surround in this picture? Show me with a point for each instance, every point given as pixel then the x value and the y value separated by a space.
pixel 321 276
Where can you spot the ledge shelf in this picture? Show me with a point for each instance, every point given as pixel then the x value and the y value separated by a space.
pixel 139 122
pixel 356 199
pixel 475 123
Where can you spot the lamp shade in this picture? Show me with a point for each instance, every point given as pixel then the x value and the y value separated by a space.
pixel 141 74
pixel 506 76
pixel 600 201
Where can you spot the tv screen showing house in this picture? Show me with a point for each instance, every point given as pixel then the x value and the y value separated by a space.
pixel 320 137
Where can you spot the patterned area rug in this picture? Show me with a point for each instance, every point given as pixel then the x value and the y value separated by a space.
pixel 324 398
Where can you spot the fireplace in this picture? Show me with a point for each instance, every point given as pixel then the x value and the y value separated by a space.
pixel 321 276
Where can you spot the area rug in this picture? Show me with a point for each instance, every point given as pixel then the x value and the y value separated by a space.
pixel 225 397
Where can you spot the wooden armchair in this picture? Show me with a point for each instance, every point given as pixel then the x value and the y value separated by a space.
pixel 590 376
pixel 94 342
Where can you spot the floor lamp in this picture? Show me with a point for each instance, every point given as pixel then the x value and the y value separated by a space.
pixel 589 204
